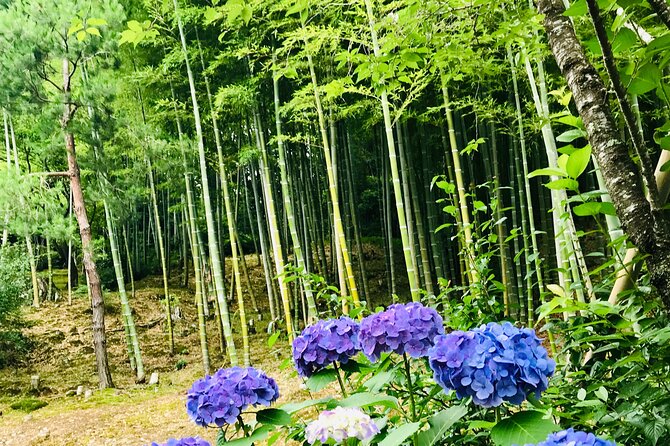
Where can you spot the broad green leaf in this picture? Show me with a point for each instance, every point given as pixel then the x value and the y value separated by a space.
pixel 257 435
pixel 93 31
pixel 295 407
pixel 578 8
pixel 397 436
pixel 547 171
pixel 277 417
pixel 127 36
pixel 571 135
pixel 439 424
pixel 77 25
pixel 321 379
pixel 577 161
pixel 563 183
pixel 135 26
pixel 594 208
pixel 647 79
pixel 81 36
pixel 581 394
pixel 96 22
pixel 365 399
pixel 528 427
pixel 378 380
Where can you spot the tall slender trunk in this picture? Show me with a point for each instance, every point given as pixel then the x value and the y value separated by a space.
pixel 209 214
pixel 97 300
pixel 395 175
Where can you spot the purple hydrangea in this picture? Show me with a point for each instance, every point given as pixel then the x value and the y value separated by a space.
pixel 492 364
pixel 325 342
pixel 219 399
pixel 571 437
pixel 402 328
pixel 189 441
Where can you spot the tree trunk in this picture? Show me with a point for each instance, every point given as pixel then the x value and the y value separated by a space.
pixel 622 176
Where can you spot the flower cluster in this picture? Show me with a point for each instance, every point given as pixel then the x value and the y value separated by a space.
pixel 570 437
pixel 340 424
pixel 492 364
pixel 408 328
pixel 325 342
pixel 219 399
pixel 189 441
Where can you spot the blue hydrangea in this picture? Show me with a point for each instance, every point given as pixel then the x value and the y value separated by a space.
pixel 492 364
pixel 402 328
pixel 219 399
pixel 325 342
pixel 189 441
pixel 571 437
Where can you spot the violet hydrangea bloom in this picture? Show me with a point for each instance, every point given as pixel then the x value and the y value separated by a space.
pixel 219 399
pixel 571 437
pixel 189 441
pixel 325 342
pixel 341 424
pixel 402 328
pixel 492 364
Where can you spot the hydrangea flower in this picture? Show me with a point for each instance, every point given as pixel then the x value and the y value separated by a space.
pixel 340 424
pixel 189 441
pixel 571 437
pixel 492 364
pixel 402 328
pixel 325 342
pixel 219 399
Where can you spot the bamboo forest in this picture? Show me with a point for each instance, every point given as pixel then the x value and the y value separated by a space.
pixel 354 222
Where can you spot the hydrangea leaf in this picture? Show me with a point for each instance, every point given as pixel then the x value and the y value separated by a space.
pixel 295 407
pixel 528 427
pixel 440 423
pixel 398 435
pixel 277 417
pixel 259 434
pixel 321 379
pixel 365 399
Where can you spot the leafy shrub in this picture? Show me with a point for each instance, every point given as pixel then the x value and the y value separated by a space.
pixel 14 288
pixel 28 405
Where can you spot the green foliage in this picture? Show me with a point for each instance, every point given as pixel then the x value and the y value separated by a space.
pixel 14 283
pixel 28 405
pixel 527 427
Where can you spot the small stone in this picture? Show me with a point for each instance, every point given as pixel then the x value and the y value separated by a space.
pixel 154 379
pixel 35 382
pixel 43 434
pixel 80 390
pixel 88 394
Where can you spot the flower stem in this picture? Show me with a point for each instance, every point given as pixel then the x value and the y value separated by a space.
pixel 408 374
pixel 497 411
pixel 339 380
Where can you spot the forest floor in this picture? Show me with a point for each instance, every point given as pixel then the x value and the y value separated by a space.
pixel 131 414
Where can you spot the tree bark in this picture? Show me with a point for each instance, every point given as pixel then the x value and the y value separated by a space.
pixel 622 176
pixel 662 10
pixel 97 301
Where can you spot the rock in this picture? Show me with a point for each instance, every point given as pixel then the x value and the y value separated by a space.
pixel 43 434
pixel 88 394
pixel 35 382
pixel 70 393
pixel 28 418
pixel 80 390
pixel 154 379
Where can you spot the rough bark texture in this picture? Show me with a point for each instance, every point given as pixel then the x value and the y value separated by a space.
pixel 622 175
pixel 97 302
pixel 662 10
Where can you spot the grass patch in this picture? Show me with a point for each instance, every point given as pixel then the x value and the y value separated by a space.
pixel 28 405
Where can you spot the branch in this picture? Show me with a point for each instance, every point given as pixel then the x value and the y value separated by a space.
pixel 50 174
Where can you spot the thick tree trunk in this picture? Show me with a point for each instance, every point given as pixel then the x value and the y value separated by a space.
pixel 662 10
pixel 622 176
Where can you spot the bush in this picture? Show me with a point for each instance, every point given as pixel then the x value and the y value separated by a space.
pixel 14 289
pixel 28 405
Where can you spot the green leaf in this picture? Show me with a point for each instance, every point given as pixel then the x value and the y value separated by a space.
pixel 439 424
pixel 96 22
pixel 548 171
pixel 563 183
pixel 277 417
pixel 127 36
pixel 273 339
pixel 602 393
pixel 398 435
pixel 577 161
pixel 220 439
pixel 321 379
pixel 523 428
pixel 93 31
pixel 594 208
pixel 578 8
pixel 571 135
pixel 365 399
pixel 77 25
pixel 81 36
pixel 295 407
pixel 135 26
pixel 258 434
pixel 378 380
pixel 581 394
pixel 647 79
